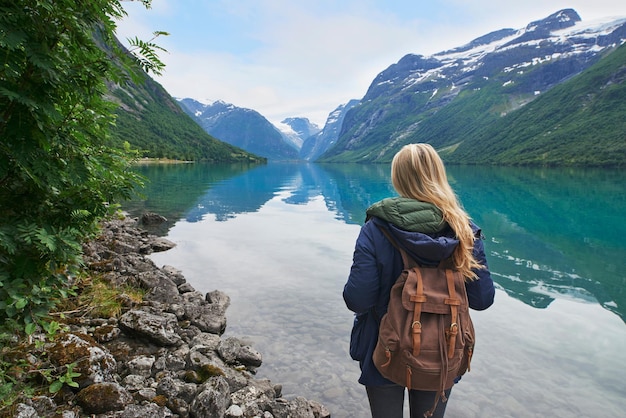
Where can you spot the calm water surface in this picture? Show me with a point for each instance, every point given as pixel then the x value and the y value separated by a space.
pixel 279 239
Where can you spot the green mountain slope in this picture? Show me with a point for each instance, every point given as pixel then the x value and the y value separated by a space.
pixel 547 94
pixel 439 119
pixel 579 122
pixel 150 120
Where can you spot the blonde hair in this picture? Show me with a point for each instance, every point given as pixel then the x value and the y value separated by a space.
pixel 417 172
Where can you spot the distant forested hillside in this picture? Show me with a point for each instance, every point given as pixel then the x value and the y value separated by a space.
pixel 150 120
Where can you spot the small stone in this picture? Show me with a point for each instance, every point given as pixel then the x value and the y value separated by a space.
pixel 234 411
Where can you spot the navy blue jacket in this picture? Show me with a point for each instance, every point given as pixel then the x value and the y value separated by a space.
pixel 375 268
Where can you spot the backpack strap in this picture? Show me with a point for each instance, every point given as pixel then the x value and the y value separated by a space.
pixel 454 302
pixel 416 326
pixel 405 257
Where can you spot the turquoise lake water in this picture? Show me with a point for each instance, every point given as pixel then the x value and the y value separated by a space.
pixel 278 239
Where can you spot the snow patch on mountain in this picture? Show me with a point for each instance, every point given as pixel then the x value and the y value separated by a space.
pixel 285 128
pixel 578 36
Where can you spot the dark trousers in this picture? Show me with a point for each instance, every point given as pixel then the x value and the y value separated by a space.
pixel 388 402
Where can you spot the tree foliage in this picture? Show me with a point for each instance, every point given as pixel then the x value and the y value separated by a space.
pixel 58 176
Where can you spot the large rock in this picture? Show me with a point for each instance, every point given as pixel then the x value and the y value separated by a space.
pixel 233 351
pixel 94 363
pixel 160 329
pixel 208 317
pixel 212 400
pixel 103 397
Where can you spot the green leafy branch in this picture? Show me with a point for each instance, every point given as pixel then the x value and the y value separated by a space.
pixel 146 53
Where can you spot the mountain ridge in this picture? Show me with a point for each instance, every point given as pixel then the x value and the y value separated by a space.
pixel 441 99
pixel 546 134
pixel 151 121
pixel 460 100
pixel 241 127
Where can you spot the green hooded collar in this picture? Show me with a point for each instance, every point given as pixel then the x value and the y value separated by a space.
pixel 408 214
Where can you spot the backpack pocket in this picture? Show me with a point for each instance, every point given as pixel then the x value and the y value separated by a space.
pixel 386 348
pixel 434 367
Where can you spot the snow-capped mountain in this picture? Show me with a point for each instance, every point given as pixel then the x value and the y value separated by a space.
pixel 244 128
pixel 444 97
pixel 296 130
pixel 316 144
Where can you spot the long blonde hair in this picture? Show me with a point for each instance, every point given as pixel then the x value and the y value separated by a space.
pixel 417 172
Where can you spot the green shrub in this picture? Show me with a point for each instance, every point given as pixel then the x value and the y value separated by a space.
pixel 58 176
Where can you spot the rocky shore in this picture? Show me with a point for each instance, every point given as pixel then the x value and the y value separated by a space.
pixel 162 357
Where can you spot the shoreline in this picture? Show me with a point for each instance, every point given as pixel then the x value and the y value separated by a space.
pixel 149 160
pixel 162 357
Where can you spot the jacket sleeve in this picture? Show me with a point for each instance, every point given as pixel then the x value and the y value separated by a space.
pixel 362 290
pixel 481 292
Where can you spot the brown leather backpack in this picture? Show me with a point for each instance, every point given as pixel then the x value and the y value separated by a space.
pixel 426 338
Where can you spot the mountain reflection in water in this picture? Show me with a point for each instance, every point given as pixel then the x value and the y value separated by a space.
pixel 551 231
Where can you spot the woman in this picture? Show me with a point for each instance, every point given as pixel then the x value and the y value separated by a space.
pixel 428 221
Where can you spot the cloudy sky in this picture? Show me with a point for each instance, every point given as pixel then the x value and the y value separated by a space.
pixel 287 58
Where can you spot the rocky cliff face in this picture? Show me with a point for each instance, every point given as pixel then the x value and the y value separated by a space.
pixel 316 144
